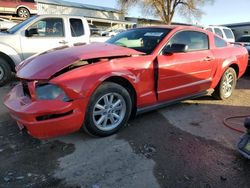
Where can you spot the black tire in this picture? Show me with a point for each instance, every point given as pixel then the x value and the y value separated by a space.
pixel 23 12
pixel 106 89
pixel 5 72
pixel 220 92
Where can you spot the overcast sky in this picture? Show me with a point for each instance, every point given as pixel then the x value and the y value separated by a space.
pixel 221 12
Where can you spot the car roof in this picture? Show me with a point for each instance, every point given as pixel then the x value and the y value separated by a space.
pixel 217 26
pixel 177 27
pixel 60 15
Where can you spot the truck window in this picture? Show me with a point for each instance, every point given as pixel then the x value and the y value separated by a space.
pixel 49 27
pixel 218 32
pixel 76 27
pixel 228 33
pixel 209 29
pixel 220 43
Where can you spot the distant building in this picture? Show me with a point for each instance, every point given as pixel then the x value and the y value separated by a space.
pixel 100 16
pixel 239 29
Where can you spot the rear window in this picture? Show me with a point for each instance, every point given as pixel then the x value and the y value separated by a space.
pixel 228 33
pixel 218 32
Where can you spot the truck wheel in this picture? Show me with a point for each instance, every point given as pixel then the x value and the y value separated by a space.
pixel 108 110
pixel 227 84
pixel 5 72
pixel 23 12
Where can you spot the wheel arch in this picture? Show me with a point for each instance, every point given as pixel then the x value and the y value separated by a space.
pixel 128 86
pixel 236 68
pixel 9 61
pixel 22 6
pixel 219 73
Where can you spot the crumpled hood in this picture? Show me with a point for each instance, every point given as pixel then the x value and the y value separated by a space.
pixel 45 65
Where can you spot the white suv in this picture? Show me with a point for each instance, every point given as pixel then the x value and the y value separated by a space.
pixel 224 32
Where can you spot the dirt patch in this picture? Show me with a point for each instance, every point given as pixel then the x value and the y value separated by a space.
pixel 28 162
pixel 184 160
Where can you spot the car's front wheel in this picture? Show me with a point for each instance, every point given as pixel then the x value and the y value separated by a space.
pixel 227 84
pixel 108 110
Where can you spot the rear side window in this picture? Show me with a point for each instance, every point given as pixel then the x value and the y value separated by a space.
pixel 195 40
pixel 76 27
pixel 218 32
pixel 228 33
pixel 219 43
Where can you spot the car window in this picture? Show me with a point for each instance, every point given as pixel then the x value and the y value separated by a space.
pixel 220 43
pixel 195 40
pixel 218 32
pixel 49 27
pixel 76 27
pixel 141 39
pixel 244 39
pixel 209 29
pixel 229 34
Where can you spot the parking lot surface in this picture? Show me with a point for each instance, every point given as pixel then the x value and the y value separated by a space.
pixel 184 145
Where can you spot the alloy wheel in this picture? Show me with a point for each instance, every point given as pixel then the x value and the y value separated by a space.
pixel 228 84
pixel 109 111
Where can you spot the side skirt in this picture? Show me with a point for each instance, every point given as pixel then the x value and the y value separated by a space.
pixel 164 104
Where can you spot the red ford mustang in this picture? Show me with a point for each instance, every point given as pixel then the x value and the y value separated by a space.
pixel 99 86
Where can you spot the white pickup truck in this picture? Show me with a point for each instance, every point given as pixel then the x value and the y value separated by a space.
pixel 38 34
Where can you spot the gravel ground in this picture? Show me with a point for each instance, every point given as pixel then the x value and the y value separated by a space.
pixel 184 145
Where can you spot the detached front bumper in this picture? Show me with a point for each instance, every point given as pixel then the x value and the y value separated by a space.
pixel 45 118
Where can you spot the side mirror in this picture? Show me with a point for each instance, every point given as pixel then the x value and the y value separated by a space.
pixel 31 32
pixel 175 48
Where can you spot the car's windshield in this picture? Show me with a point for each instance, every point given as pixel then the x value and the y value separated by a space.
pixel 244 39
pixel 141 39
pixel 20 25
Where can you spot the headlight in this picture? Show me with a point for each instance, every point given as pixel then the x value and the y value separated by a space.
pixel 50 92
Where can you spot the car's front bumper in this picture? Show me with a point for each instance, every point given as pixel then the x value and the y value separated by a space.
pixel 45 118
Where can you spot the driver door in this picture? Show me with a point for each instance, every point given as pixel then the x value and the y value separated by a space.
pixel 183 74
pixel 49 34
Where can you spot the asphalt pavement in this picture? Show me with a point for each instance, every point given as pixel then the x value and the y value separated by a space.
pixel 184 145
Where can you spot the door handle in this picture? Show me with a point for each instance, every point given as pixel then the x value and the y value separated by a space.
pixel 208 58
pixel 63 42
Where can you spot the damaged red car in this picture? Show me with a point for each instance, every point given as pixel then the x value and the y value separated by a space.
pixel 98 87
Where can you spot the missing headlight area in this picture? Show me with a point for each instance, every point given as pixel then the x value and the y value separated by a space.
pixel 53 116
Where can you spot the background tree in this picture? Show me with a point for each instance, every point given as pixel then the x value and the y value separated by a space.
pixel 166 9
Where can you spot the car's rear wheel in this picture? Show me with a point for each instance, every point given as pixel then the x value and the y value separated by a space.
pixel 5 72
pixel 108 110
pixel 23 12
pixel 227 84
